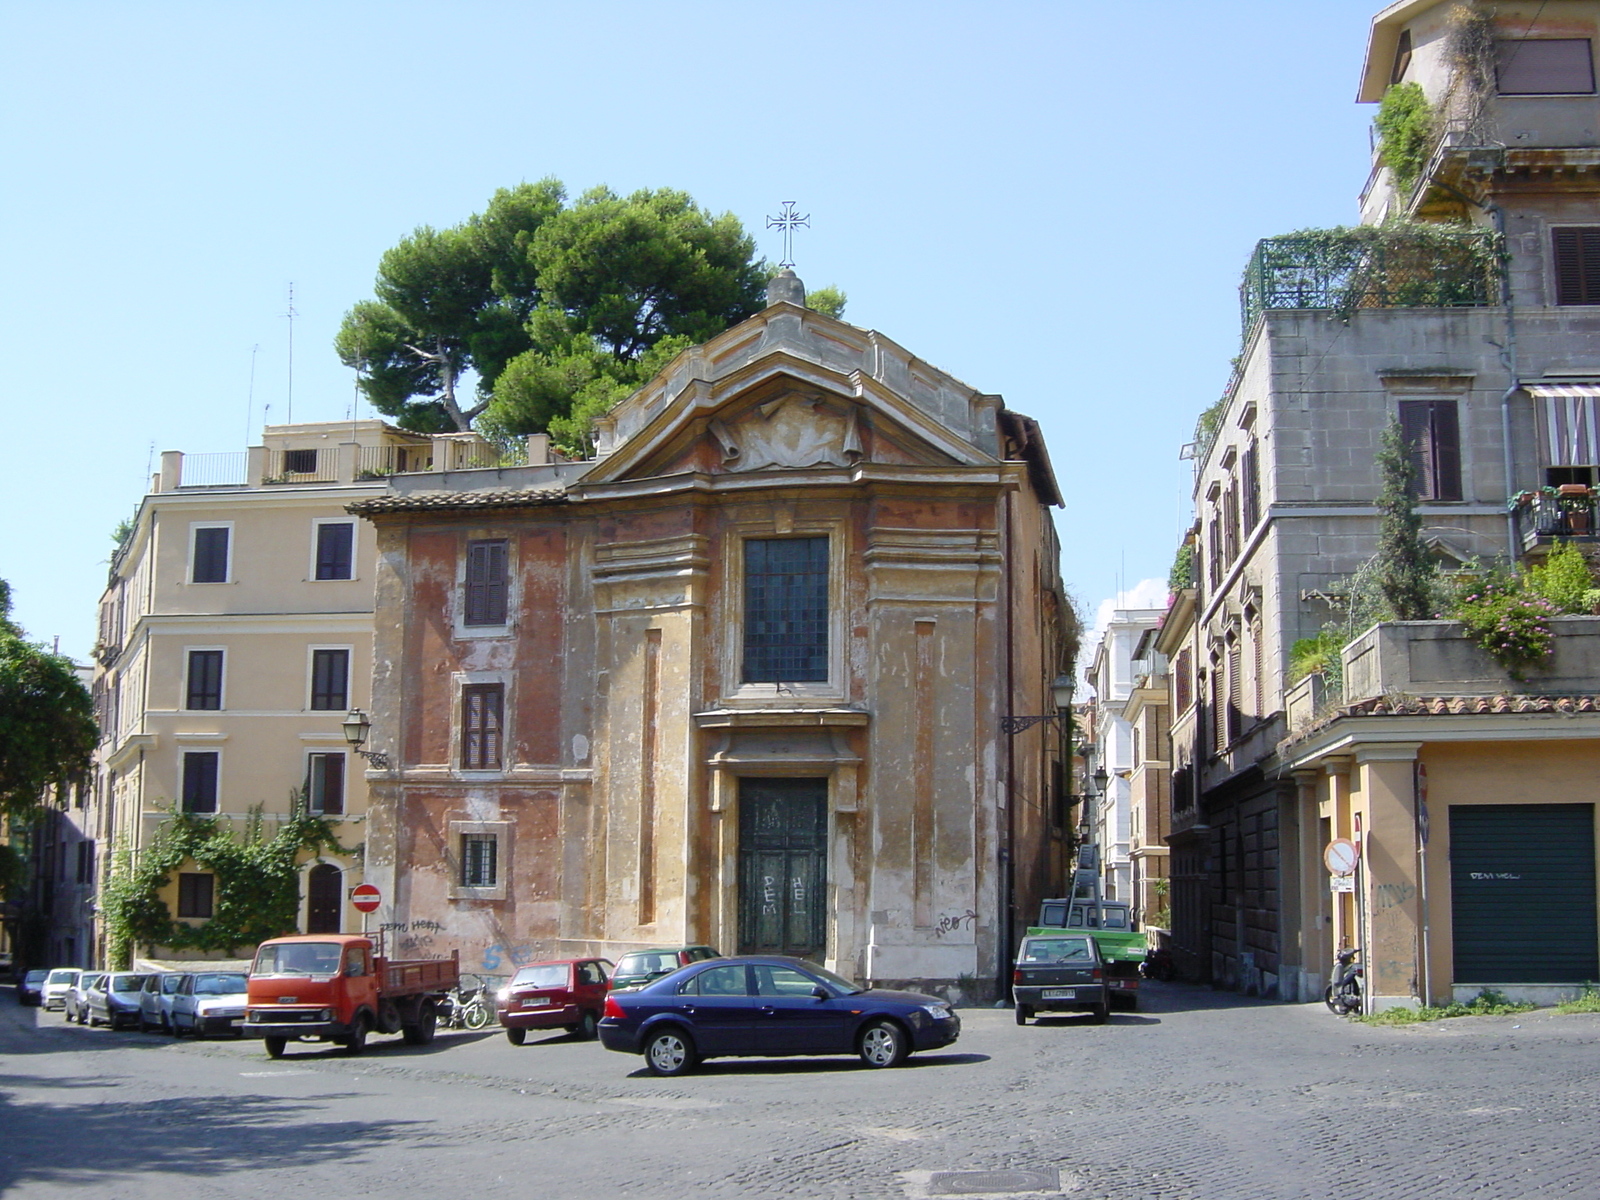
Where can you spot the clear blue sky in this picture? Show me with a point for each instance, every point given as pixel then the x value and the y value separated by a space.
pixel 1052 201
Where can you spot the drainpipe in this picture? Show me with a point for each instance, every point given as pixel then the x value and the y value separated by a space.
pixel 1508 358
pixel 1008 868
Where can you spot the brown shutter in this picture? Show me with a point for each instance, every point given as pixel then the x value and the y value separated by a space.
pixel 1446 442
pixel 486 583
pixel 1414 427
pixel 481 707
pixel 1577 264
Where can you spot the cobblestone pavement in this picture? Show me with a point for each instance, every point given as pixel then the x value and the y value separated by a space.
pixel 1198 1096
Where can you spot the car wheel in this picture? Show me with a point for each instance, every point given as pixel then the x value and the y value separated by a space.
pixel 588 1028
pixel 144 1025
pixel 1023 1013
pixel 357 1041
pixel 884 1044
pixel 516 1036
pixel 275 1046
pixel 670 1052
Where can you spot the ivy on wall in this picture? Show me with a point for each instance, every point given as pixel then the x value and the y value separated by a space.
pixel 256 893
pixel 1406 135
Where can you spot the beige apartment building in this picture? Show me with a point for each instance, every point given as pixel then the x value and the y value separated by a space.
pixel 1475 325
pixel 235 635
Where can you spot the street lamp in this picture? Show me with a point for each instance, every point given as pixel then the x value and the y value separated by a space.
pixel 1060 692
pixel 356 729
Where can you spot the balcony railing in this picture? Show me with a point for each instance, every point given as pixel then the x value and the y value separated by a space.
pixel 1539 515
pixel 215 470
pixel 375 462
pixel 1342 270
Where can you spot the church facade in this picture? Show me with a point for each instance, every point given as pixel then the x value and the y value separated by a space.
pixel 742 679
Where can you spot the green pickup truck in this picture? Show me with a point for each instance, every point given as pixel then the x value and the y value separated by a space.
pixel 1110 925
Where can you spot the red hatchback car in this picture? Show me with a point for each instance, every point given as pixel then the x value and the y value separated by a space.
pixel 565 993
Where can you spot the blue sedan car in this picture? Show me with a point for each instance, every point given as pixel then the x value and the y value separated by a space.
pixel 769 1007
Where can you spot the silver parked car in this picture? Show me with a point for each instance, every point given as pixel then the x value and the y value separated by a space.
pixel 210 1002
pixel 56 986
pixel 75 1007
pixel 155 1000
pixel 115 999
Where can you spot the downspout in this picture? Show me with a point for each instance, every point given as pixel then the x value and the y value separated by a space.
pixel 1508 358
pixel 1008 870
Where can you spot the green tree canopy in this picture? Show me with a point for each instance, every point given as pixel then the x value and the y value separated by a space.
pixel 47 725
pixel 559 309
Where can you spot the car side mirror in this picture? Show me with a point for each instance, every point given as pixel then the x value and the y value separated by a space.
pixel 821 993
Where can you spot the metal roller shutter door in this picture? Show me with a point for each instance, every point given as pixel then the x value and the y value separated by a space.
pixel 1522 893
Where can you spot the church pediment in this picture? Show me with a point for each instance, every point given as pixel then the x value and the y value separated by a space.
pixel 792 431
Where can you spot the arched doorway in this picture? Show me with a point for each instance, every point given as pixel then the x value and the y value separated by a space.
pixel 325 899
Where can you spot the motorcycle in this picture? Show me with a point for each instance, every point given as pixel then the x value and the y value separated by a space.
pixel 1343 995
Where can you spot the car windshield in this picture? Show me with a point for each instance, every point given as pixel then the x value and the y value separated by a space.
pixel 127 983
pixel 837 982
pixel 298 958
pixel 648 962
pixel 548 976
pixel 1056 950
pixel 35 976
pixel 218 985
pixel 62 975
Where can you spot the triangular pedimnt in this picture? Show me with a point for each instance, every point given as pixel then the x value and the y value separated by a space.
pixel 794 390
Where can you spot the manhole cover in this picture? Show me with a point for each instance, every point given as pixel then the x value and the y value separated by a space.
pixel 972 1183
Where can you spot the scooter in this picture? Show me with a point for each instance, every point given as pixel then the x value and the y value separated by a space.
pixel 1343 995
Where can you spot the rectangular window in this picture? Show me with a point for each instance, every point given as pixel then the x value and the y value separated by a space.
pixel 1250 476
pixel 210 560
pixel 1576 256
pixel 1544 67
pixel 336 550
pixel 786 610
pixel 205 680
pixel 479 852
pixel 482 709
pixel 330 680
pixel 195 894
pixel 300 462
pixel 85 862
pixel 325 783
pixel 1432 430
pixel 200 781
pixel 486 583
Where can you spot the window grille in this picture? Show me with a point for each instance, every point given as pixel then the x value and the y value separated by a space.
pixel 479 852
pixel 786 610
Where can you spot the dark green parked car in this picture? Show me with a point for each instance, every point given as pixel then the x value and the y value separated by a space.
pixel 1060 973
pixel 641 966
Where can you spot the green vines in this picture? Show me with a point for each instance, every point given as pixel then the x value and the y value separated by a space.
pixel 256 894
pixel 1405 128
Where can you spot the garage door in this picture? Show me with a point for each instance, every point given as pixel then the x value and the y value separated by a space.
pixel 1522 893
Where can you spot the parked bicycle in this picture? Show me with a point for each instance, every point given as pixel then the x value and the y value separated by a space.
pixel 1343 995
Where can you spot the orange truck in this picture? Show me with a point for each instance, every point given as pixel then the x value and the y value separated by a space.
pixel 340 987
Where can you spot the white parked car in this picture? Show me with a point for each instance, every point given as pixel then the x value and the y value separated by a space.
pixel 56 986
pixel 155 1000
pixel 210 1002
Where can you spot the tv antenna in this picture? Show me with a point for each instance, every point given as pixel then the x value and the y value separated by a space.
pixel 291 315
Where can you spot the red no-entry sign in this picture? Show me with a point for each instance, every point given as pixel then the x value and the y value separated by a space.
pixel 366 897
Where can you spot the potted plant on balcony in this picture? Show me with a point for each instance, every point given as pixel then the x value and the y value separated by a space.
pixel 1577 505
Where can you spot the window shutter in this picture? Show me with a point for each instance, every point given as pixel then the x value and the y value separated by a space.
pixel 486 583
pixel 334 551
pixel 1446 442
pixel 1577 264
pixel 481 732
